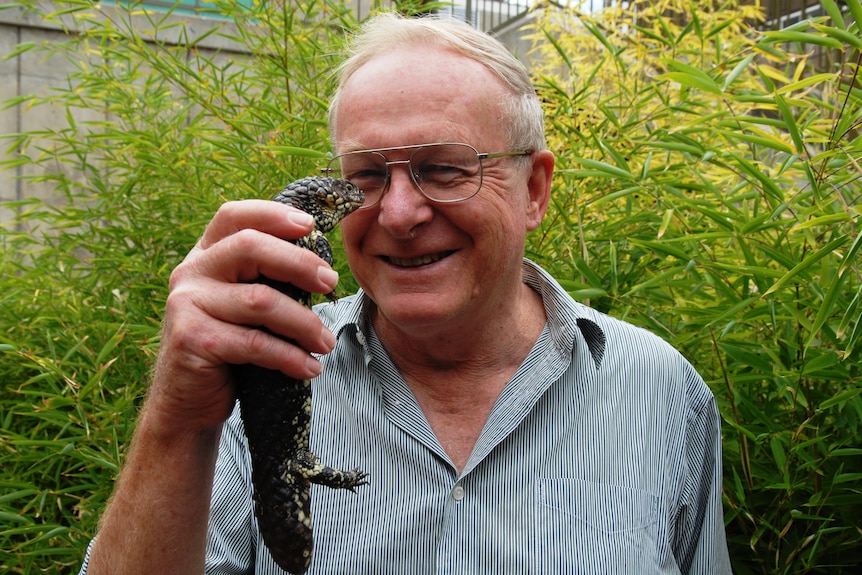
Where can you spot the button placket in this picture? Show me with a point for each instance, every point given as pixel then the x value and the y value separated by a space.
pixel 449 550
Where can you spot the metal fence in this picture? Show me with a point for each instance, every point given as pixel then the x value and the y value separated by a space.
pixel 489 15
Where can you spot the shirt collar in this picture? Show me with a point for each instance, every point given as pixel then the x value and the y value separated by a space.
pixel 567 319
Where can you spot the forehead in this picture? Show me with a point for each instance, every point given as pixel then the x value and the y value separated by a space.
pixel 420 95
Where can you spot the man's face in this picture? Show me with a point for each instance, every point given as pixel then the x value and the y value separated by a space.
pixel 430 266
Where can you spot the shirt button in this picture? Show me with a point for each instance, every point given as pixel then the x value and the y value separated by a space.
pixel 360 337
pixel 457 493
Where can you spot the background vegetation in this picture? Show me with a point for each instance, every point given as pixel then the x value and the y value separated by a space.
pixel 708 190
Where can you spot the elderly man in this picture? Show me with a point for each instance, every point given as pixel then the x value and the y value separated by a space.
pixel 505 428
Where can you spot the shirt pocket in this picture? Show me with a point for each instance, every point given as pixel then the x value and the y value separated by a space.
pixel 588 527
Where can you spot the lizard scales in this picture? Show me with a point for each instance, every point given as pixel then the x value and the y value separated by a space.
pixel 276 409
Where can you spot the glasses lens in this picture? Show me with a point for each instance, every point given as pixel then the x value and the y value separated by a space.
pixel 447 172
pixel 444 172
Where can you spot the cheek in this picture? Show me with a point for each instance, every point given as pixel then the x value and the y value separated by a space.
pixel 352 232
pixel 502 216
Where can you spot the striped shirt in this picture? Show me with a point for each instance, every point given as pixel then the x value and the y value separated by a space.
pixel 602 455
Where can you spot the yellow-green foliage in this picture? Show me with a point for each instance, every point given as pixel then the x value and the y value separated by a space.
pixel 156 136
pixel 709 189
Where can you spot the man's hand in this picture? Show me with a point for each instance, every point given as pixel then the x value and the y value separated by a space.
pixel 156 521
pixel 213 310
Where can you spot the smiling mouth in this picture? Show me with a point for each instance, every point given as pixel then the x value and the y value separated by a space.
pixel 418 261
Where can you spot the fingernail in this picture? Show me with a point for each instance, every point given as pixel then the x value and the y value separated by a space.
pixel 328 276
pixel 313 365
pixel 301 218
pixel 328 338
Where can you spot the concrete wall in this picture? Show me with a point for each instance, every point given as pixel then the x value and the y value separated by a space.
pixel 35 72
pixel 9 119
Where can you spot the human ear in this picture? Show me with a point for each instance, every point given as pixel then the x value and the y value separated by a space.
pixel 539 187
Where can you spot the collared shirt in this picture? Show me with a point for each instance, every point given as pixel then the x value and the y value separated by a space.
pixel 602 455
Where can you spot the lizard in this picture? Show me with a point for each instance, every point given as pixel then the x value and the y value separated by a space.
pixel 276 409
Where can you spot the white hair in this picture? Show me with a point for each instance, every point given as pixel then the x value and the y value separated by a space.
pixel 387 31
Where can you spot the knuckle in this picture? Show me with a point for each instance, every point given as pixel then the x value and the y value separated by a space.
pixel 257 342
pixel 259 299
pixel 177 302
pixel 179 274
pixel 226 209
pixel 244 241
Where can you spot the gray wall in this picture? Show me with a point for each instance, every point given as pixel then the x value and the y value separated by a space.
pixel 32 72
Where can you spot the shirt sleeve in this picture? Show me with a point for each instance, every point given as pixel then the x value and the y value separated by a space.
pixel 86 562
pixel 700 544
pixel 231 540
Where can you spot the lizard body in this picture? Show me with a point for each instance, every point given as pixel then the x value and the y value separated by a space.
pixel 276 409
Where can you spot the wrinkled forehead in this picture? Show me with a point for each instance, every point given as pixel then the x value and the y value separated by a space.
pixel 412 97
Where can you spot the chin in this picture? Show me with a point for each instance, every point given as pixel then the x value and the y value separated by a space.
pixel 412 311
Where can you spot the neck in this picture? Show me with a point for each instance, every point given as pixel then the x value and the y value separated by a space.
pixel 457 372
pixel 498 341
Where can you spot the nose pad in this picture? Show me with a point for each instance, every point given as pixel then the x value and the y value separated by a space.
pixel 402 178
pixel 403 207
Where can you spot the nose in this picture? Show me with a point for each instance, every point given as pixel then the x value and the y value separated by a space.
pixel 403 207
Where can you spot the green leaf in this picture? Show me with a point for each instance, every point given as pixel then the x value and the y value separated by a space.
pixel 558 47
pixel 843 36
pixel 766 142
pixel 827 307
pixel 653 36
pixel 666 219
pixel 825 220
pixel 606 169
pixel 692 81
pixel 595 31
pixel 587 293
pixel 808 81
pixel 719 27
pixel 790 123
pixel 789 36
pixel 662 248
pixel 767 183
pixel 678 147
pixel 839 398
pixel 834 12
pixel 819 363
pixel 778 453
pixel 617 156
pixel 856 11
pixel 294 151
pixel 737 70
pixel 847 478
pixel 797 514
pixel 19 49
pixel 806 263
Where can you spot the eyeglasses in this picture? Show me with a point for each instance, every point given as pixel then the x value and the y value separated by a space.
pixel 443 172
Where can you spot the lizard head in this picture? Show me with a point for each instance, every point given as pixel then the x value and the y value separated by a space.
pixel 328 200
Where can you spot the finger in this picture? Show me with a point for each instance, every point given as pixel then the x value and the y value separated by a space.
pixel 258 305
pixel 237 345
pixel 274 218
pixel 248 254
pixel 205 341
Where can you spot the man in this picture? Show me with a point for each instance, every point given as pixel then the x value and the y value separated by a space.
pixel 505 428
